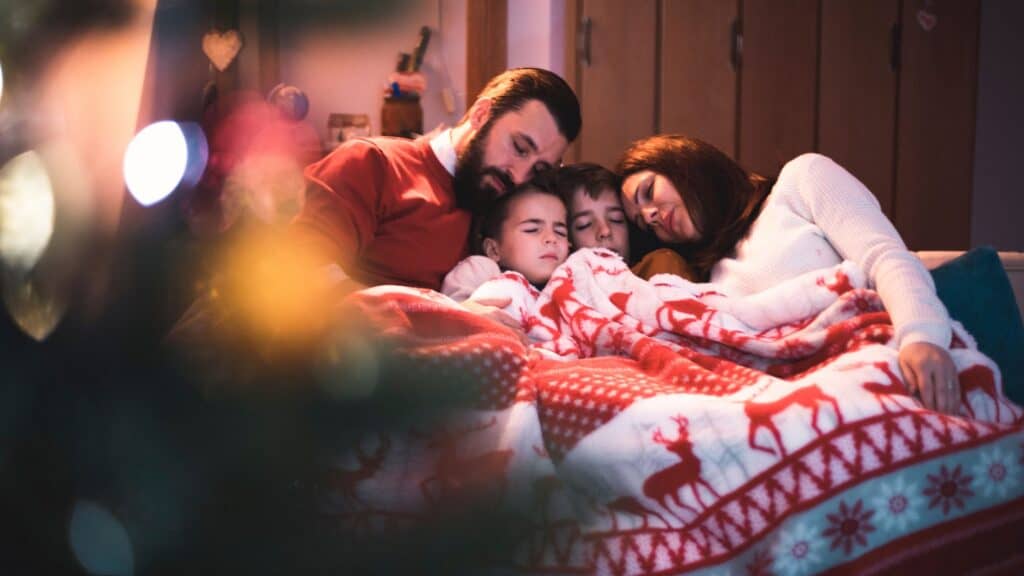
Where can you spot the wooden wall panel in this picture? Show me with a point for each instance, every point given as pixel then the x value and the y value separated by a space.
pixel 617 87
pixel 486 43
pixel 936 115
pixel 857 91
pixel 698 80
pixel 778 82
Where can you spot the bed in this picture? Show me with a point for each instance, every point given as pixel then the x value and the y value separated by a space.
pixel 661 429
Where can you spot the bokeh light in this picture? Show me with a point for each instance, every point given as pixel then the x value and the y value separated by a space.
pixel 99 541
pixel 26 212
pixel 276 284
pixel 1 83
pixel 271 186
pixel 163 156
pixel 35 311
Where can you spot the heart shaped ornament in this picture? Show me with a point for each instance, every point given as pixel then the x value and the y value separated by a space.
pixel 222 47
pixel 927 20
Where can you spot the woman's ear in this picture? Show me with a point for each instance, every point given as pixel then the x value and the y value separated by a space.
pixel 491 249
pixel 480 113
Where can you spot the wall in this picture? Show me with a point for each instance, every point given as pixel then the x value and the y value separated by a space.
pixel 536 34
pixel 344 67
pixel 998 203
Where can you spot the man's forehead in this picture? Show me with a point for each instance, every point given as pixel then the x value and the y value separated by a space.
pixel 534 121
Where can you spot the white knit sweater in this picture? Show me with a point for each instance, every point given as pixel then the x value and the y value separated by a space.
pixel 818 215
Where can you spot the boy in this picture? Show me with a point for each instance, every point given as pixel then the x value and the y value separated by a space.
pixel 525 231
pixel 597 219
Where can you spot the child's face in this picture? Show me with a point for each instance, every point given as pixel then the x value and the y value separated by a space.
pixel 534 239
pixel 599 223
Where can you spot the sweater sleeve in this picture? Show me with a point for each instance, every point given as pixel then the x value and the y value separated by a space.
pixel 343 203
pixel 853 222
pixel 468 275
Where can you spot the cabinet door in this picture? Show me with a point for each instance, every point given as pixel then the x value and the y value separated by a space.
pixel 778 82
pixel 857 91
pixel 697 96
pixel 616 70
pixel 935 134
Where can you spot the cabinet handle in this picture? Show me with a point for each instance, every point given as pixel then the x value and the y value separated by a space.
pixel 736 54
pixel 583 40
pixel 895 46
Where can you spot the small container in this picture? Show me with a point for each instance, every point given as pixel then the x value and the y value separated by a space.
pixel 401 116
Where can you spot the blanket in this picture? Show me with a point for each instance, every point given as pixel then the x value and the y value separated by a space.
pixel 666 427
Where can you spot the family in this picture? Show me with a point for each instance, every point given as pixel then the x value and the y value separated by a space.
pixel 490 195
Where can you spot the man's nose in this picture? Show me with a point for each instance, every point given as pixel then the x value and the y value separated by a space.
pixel 519 173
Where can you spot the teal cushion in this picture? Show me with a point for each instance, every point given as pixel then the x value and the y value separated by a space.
pixel 977 292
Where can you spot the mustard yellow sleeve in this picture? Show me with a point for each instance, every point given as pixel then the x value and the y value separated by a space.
pixel 664 261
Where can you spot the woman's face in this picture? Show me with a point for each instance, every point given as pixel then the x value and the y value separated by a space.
pixel 654 204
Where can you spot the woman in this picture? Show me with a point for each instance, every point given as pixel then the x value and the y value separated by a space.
pixel 749 233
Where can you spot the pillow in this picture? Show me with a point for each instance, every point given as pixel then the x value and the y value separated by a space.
pixel 977 292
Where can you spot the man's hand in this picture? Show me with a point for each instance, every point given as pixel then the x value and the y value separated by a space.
pixel 492 308
pixel 929 370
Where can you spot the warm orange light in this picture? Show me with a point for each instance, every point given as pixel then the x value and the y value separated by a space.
pixel 277 287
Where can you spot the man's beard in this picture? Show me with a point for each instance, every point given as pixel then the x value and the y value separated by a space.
pixel 471 193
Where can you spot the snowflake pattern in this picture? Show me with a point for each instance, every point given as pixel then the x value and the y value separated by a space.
pixel 898 503
pixel 797 551
pixel 949 488
pixel 849 527
pixel 995 472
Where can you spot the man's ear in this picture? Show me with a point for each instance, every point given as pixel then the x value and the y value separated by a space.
pixel 480 113
pixel 491 249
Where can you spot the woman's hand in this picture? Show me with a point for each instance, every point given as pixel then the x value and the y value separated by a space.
pixel 929 370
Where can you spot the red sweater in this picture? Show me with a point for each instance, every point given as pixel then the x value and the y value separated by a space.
pixel 384 210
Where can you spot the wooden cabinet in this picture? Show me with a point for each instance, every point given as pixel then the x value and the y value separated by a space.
pixel 697 42
pixel 615 55
pixel 857 90
pixel 935 124
pixel 885 87
pixel 778 78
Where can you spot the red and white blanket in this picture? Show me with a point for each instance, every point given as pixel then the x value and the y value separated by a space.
pixel 663 427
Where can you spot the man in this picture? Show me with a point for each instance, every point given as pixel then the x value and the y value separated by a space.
pixel 392 211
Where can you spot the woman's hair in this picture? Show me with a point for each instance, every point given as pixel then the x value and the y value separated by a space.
pixel 722 198
pixel 489 223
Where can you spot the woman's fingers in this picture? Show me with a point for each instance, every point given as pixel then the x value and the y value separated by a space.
pixel 930 369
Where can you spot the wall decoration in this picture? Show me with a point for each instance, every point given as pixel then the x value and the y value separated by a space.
pixel 221 47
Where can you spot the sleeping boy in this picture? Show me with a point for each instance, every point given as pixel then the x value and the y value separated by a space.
pixel 597 219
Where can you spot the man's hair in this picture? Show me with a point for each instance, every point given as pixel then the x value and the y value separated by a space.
pixel 593 178
pixel 513 88
pixel 489 225
pixel 722 198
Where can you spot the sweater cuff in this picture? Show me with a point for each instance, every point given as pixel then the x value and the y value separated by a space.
pixel 939 334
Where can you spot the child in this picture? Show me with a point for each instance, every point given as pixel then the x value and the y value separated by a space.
pixel 597 219
pixel 525 232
